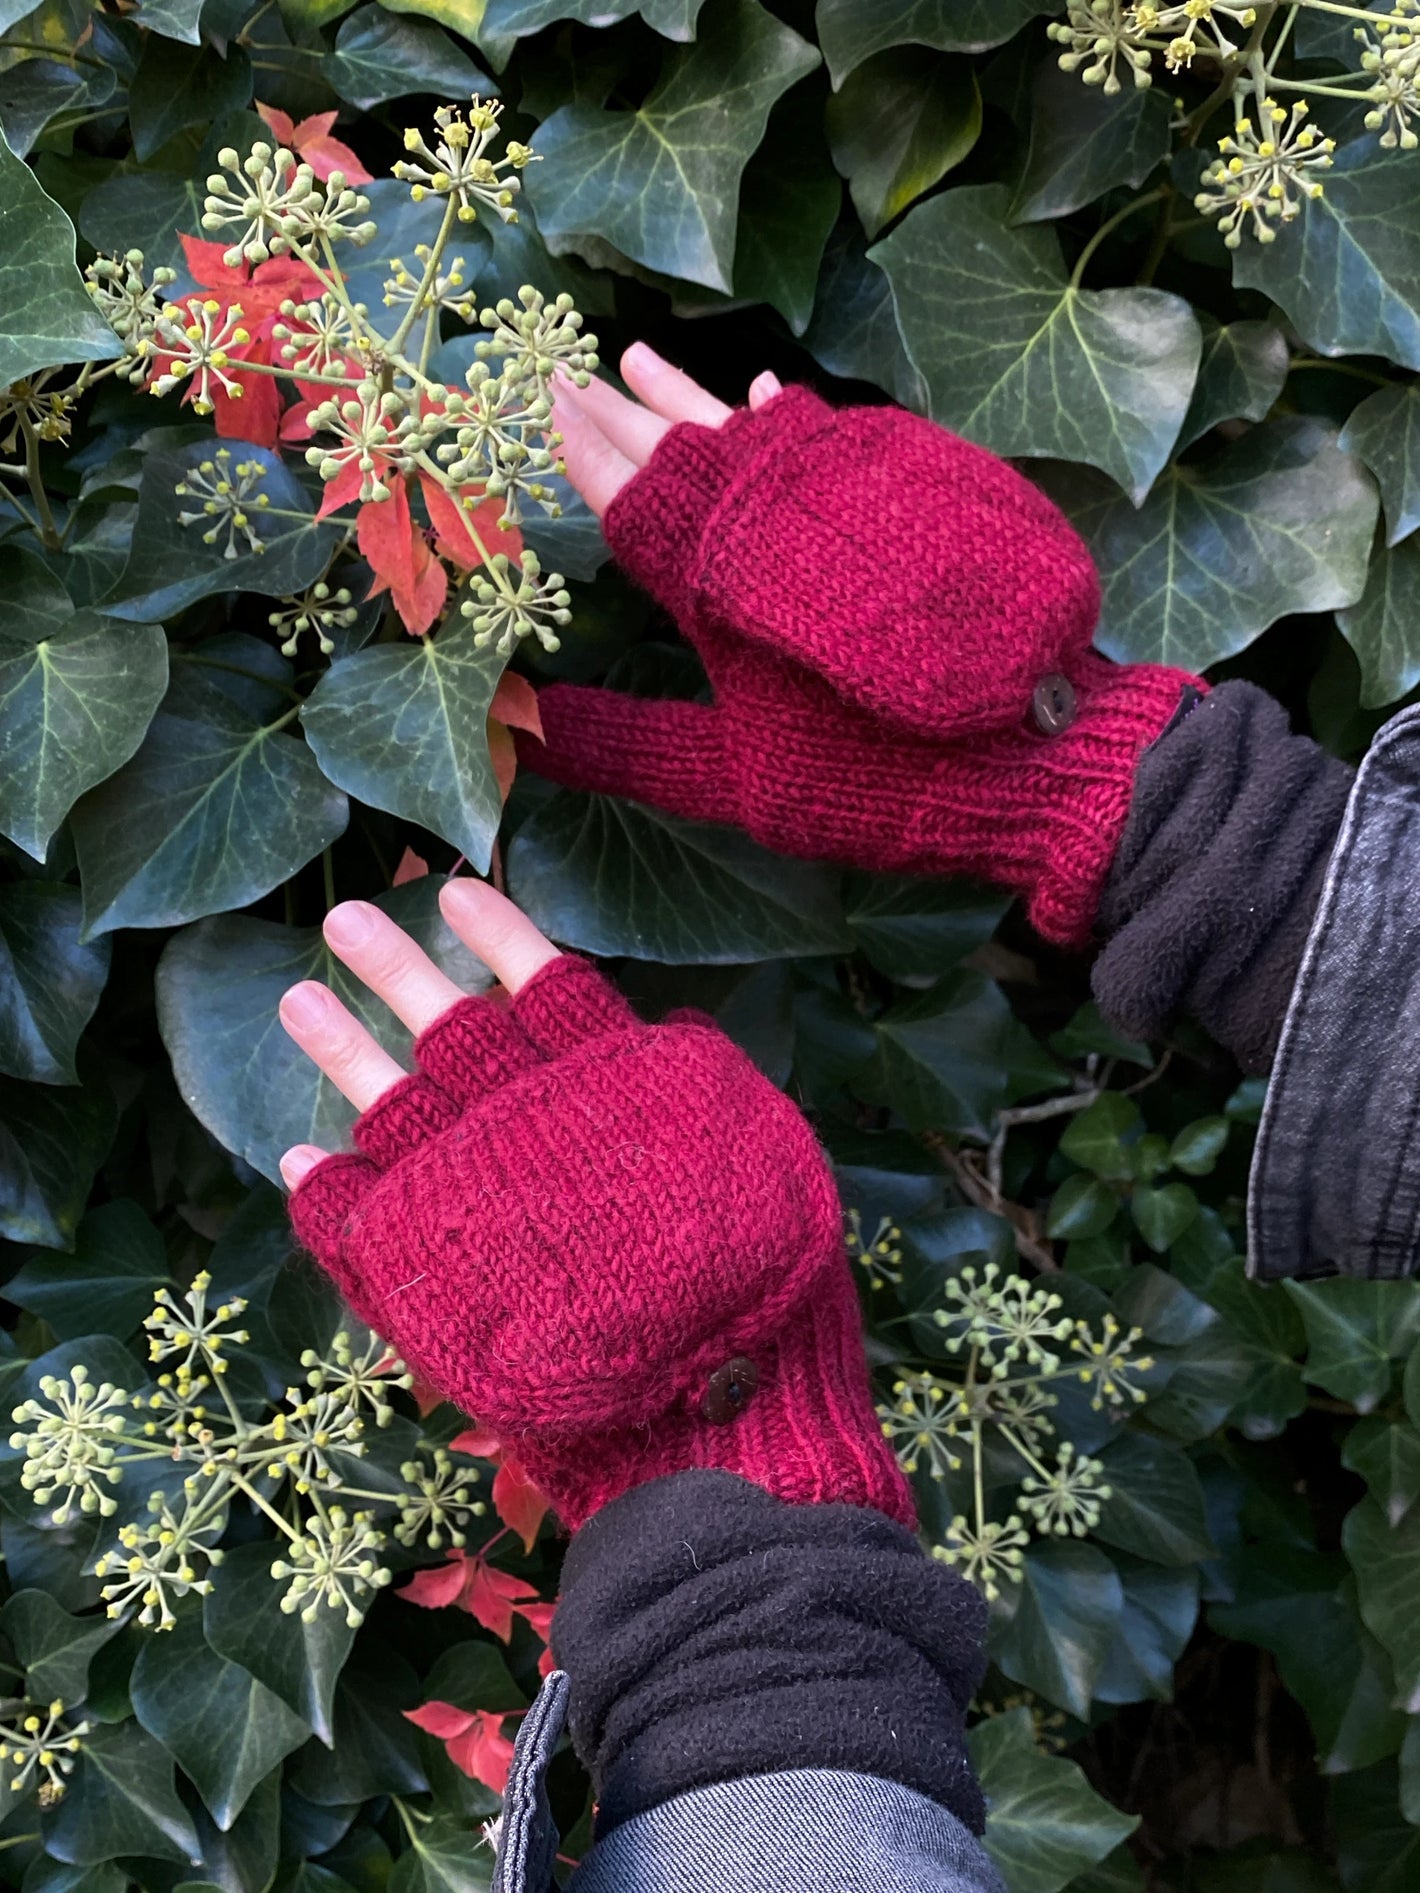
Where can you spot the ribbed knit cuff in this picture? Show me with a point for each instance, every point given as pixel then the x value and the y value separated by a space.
pixel 1218 875
pixel 713 1632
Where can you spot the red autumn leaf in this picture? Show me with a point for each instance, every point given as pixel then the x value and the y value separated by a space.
pixel 492 1596
pixel 546 1663
pixel 438 1587
pixel 441 1719
pixel 412 867
pixel 425 1397
pixel 515 703
pixel 484 1753
pixel 539 1617
pixel 312 139
pixel 403 564
pixel 343 490
pixel 451 521
pixel 476 1443
pixel 518 1503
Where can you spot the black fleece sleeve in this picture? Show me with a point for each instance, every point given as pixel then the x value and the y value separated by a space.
pixel 1218 877
pixel 712 1631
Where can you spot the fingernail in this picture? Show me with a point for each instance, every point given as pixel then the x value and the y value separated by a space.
pixel 644 353
pixel 351 924
pixel 303 1006
pixel 298 1164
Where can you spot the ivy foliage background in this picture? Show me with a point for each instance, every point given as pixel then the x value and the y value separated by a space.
pixel 1205 1554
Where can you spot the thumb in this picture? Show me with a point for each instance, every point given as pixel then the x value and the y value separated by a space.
pixel 669 754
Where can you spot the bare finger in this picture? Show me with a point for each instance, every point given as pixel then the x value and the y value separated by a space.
pixel 359 1067
pixel 633 430
pixel 502 936
pixel 299 1162
pixel 594 466
pixel 390 963
pixel 763 389
pixel 669 391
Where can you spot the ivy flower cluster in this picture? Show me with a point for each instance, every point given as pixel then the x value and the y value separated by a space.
pixel 1015 1345
pixel 40 1750
pixel 1269 166
pixel 297 1463
pixel 273 310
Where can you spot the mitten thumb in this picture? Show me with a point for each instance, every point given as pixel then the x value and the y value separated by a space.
pixel 669 754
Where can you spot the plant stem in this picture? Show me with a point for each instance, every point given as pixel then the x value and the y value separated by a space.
pixel 1313 89
pixel 49 532
pixel 328 869
pixel 1349 13
pixel 1339 368
pixel 1109 226
pixel 431 271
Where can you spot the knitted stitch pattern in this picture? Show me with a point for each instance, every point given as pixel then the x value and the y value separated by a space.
pixel 875 602
pixel 568 1221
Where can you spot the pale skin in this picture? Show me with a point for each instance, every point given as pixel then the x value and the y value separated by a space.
pixel 606 439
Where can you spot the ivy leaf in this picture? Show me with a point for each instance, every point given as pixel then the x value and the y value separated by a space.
pixel 896 128
pixel 53 1648
pixel 37 90
pixel 172 19
pixel 228 1730
pixel 143 210
pixel 1160 1611
pixel 170 567
pixel 1376 1846
pixel 1384 431
pixel 516 19
pixel 1241 375
pixel 1017 358
pixel 379 56
pixel 1198 1146
pixel 854 330
pixel 1347 273
pixel 50 981
pixel 789 203
pixel 298 1662
pixel 1354 1331
pixel 404 727
pixel 46 315
pixel 214 810
pixel 914 927
pixel 611 877
pixel 441 1858
pixel 108 1281
pixel 373 1749
pixel 121 1800
pixel 1099 1137
pixel 1383 625
pixel 1082 1207
pixel 1388 1459
pixel 1162 1215
pixel 1156 1505
pixel 178 86
pixel 1045 1823
pixel 218 985
pixel 1386 1561
pixel 850 32
pixel 74 705
pixel 944 1058
pixel 1067 1616
pixel 662 183
pixel 52 1142
pixel 1278 522
pixel 1084 142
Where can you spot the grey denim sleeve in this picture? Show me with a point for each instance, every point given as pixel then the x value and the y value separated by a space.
pixel 1336 1175
pixel 807 1830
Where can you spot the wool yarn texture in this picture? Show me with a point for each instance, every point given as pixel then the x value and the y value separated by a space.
pixel 572 1224
pixel 875 602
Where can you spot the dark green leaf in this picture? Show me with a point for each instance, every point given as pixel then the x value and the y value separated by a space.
pixel 1384 431
pixel 1378 1849
pixel 1156 1505
pixel 1383 627
pixel 172 19
pixel 1386 1561
pixel 942 1059
pixel 143 210
pixel 171 566
pixel 1045 1822
pixel 851 32
pixel 108 1281
pixel 177 86
pixel 373 1750
pixel 1162 1215
pixel 34 92
pixel 1067 1615
pixel 898 125
pixel 789 203
pixel 404 727
pixel 380 56
pixel 74 705
pixel 298 1662
pixel 1354 1331
pixel 1160 1610
pixel 226 1729
pixel 1347 272
pixel 1388 1459
pixel 53 1648
pixel 911 927
pixel 52 1876
pixel 51 1144
pixel 121 1800
pixel 1082 1206
pixel 611 877
pixel 50 981
pixel 1084 142
pixel 1098 1139
pixel 443 1857
pixel 1278 522
pixel 1090 1035
pixel 214 811
pixel 1243 371
pixel 674 19
pixel 854 329
pixel 218 987
pixel 1016 357
pixel 473 1676
pixel 662 183
pixel 45 312
pixel 1199 1145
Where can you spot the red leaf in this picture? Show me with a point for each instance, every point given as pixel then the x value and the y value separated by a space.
pixel 438 1587
pixel 205 265
pixel 254 414
pixel 420 608
pixel 281 123
pixel 491 1595
pixel 540 1617
pixel 425 1397
pixel 484 1753
pixel 441 1719
pixel 518 1502
pixel 343 490
pixel 402 561
pixel 503 755
pixel 546 1663
pixel 476 1443
pixel 412 867
pixel 325 155
pixel 451 521
pixel 515 703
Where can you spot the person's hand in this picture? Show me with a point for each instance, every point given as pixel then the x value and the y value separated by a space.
pixel 617 1246
pixel 607 439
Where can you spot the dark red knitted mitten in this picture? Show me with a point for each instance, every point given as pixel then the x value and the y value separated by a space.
pixel 897 627
pixel 617 1246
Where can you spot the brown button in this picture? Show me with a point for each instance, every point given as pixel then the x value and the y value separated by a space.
pixel 1053 705
pixel 730 1390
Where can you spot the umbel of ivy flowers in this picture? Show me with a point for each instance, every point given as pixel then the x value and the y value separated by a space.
pixel 274 347
pixel 298 1464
